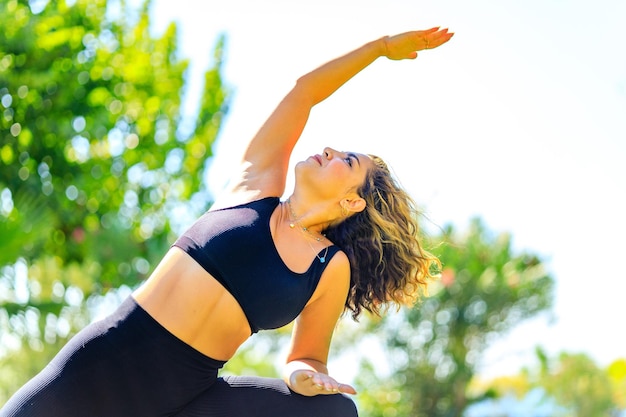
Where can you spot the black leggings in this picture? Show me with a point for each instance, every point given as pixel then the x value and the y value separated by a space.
pixel 264 397
pixel 129 365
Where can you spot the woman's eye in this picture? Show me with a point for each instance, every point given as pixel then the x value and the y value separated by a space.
pixel 349 161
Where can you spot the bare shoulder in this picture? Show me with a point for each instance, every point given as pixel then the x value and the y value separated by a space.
pixel 339 264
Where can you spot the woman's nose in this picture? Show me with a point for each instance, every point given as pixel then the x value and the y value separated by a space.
pixel 329 152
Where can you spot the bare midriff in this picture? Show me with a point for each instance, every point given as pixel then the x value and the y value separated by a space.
pixel 191 304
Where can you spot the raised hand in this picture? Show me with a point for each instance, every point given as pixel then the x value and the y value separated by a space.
pixel 406 45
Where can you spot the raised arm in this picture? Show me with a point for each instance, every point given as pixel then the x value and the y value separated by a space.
pixel 266 159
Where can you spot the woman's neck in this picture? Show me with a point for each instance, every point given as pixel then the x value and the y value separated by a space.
pixel 312 218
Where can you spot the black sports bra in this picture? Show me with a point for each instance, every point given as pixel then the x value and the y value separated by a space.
pixel 235 246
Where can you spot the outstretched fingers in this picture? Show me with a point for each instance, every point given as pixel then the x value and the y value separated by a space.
pixel 435 38
pixel 324 384
pixel 406 45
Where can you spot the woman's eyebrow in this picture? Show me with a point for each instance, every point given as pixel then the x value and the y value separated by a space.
pixel 353 155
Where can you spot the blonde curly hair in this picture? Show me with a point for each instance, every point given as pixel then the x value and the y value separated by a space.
pixel 387 262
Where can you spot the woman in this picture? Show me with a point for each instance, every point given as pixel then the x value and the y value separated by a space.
pixel 345 239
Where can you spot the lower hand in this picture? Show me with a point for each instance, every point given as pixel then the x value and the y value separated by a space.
pixel 312 383
pixel 406 45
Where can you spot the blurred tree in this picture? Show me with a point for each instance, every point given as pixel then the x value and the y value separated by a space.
pixel 577 383
pixel 94 164
pixel 569 385
pixel 434 348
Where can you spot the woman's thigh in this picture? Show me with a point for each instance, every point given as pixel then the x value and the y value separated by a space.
pixel 125 365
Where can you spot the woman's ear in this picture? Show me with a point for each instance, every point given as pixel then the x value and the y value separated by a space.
pixel 354 205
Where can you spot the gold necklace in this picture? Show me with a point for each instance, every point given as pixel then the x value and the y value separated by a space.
pixel 293 221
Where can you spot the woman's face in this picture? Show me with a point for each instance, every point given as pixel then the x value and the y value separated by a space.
pixel 333 173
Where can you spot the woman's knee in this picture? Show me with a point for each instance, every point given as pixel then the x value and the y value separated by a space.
pixel 344 407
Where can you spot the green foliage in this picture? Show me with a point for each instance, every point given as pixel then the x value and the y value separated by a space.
pixel 92 166
pixel 23 220
pixel 574 382
pixel 434 348
pixel 577 383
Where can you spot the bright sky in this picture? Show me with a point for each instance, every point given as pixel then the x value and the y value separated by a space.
pixel 520 119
